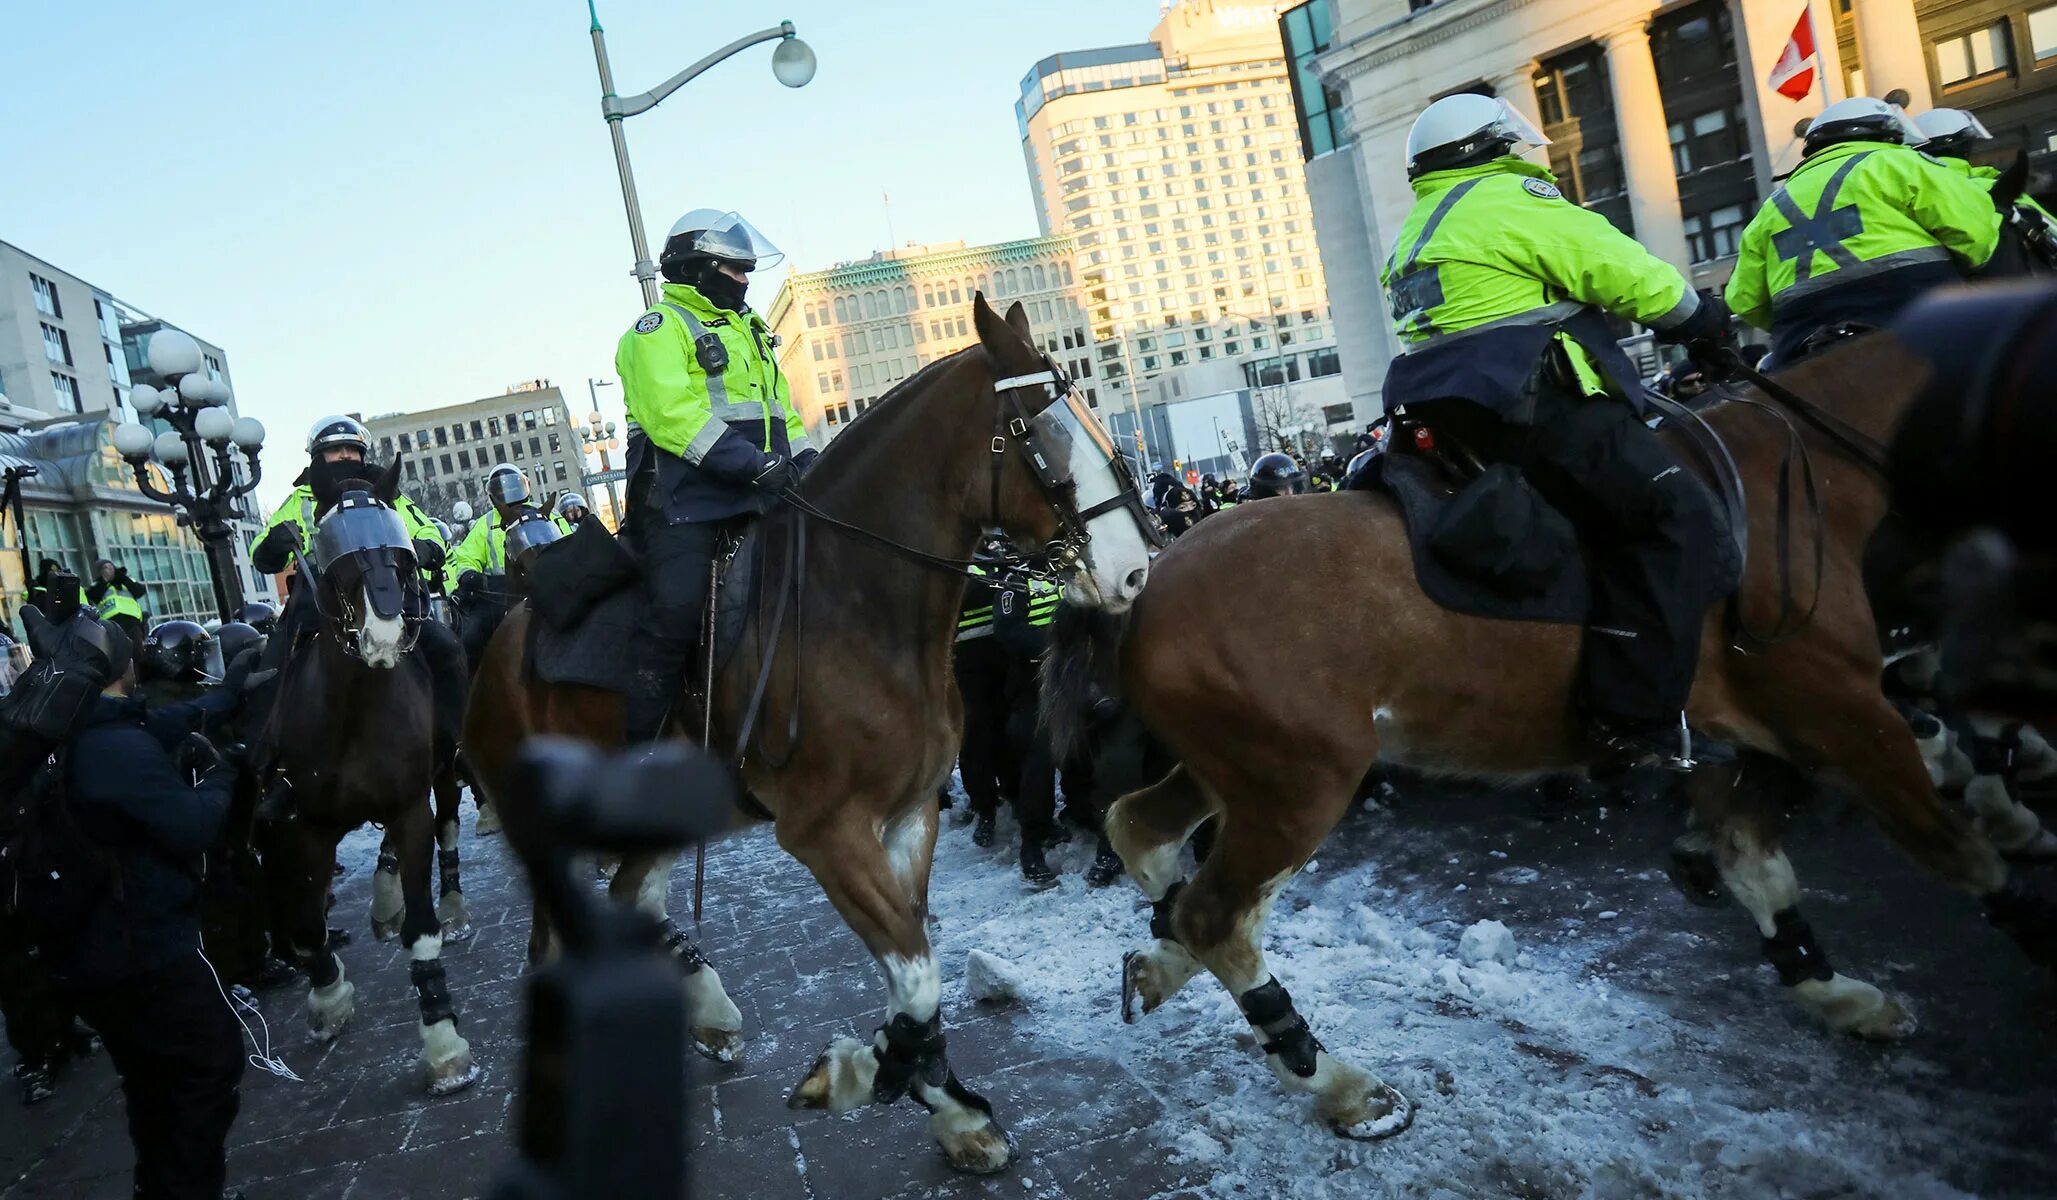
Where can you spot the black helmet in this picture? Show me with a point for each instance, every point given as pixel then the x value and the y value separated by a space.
pixel 259 616
pixel 338 431
pixel 505 484
pixel 236 637
pixel 176 650
pixel 1276 474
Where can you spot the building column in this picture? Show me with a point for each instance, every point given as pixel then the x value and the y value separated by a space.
pixel 1889 49
pixel 1646 146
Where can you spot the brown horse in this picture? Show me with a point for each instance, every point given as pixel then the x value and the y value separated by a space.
pixel 1382 673
pixel 862 664
pixel 355 735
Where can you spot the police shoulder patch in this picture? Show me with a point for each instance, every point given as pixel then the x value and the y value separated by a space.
pixel 649 322
pixel 1542 188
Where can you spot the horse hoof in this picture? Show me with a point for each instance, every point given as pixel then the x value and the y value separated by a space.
pixel 457 932
pixel 986 1150
pixel 722 1045
pixel 454 1077
pixel 1693 871
pixel 1891 1023
pixel 488 823
pixel 1393 1113
pixel 840 1079
pixel 384 931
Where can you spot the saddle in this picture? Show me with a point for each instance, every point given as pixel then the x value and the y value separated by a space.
pixel 595 645
pixel 1486 543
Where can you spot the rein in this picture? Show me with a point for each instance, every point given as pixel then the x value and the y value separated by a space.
pixel 1847 437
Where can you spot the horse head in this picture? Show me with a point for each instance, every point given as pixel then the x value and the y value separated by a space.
pixel 1069 488
pixel 367 584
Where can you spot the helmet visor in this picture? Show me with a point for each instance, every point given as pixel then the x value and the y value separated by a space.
pixel 1910 133
pixel 15 658
pixel 1522 130
pixel 507 487
pixel 356 525
pixel 734 240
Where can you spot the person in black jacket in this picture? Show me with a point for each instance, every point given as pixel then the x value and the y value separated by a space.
pixel 135 972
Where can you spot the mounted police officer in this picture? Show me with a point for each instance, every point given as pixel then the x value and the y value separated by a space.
pixel 477 571
pixel 1952 135
pixel 1862 226
pixel 712 438
pixel 1501 290
pixel 571 509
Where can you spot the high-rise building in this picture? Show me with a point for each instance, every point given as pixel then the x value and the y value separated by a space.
pixel 59 403
pixel 449 450
pixel 848 333
pixel 1172 165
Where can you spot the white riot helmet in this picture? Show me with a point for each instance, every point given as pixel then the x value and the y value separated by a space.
pixel 338 431
pixel 709 234
pixel 569 501
pixel 1951 132
pixel 1863 119
pixel 1465 129
pixel 505 484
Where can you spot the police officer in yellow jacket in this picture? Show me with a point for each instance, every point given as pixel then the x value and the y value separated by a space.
pixel 477 574
pixel 712 437
pixel 1862 226
pixel 2028 231
pixel 1501 290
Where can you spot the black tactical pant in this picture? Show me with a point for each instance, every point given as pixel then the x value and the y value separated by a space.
pixel 986 760
pixel 37 1014
pixel 478 617
pixel 180 1056
pixel 676 560
pixel 1649 526
pixel 450 674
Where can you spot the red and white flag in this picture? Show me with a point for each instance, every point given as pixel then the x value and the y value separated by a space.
pixel 1792 76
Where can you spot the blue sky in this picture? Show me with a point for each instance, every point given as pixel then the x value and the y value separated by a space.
pixel 383 206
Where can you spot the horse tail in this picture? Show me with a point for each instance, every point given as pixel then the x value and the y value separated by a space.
pixel 1080 672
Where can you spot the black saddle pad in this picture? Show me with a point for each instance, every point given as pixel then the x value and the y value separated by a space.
pixel 1533 586
pixel 601 650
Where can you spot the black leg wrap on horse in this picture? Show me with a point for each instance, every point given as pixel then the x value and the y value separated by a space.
pixel 433 989
pixel 913 1051
pixel 682 948
pixel 1270 1008
pixel 1160 912
pixel 2024 914
pixel 321 967
pixel 1792 951
pixel 446 872
pixel 389 862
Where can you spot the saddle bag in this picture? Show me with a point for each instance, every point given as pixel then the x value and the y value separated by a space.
pixel 1500 531
pixel 571 575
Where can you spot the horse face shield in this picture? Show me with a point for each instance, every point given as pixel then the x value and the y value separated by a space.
pixel 367 568
pixel 1107 535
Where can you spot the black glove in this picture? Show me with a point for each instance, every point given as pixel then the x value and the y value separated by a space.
pixel 469 584
pixel 777 474
pixel 196 753
pixel 427 554
pixel 1708 326
pixel 243 676
pixel 805 461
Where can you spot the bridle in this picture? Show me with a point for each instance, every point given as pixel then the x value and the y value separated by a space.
pixel 342 623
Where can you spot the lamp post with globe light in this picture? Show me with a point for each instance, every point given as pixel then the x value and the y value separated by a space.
pixel 196 453
pixel 599 437
pixel 792 64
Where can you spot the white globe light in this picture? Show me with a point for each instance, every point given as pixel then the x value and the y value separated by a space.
pixel 172 354
pixel 145 399
pixel 170 449
pixel 793 62
pixel 461 511
pixel 196 391
pixel 248 434
pixel 219 393
pixel 132 440
pixel 215 425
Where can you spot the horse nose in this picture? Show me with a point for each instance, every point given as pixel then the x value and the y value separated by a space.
pixel 1132 583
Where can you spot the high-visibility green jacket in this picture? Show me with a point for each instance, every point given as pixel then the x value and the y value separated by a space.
pixel 116 601
pixel 298 511
pixel 1985 177
pixel 1857 231
pixel 484 549
pixel 704 394
pixel 1493 265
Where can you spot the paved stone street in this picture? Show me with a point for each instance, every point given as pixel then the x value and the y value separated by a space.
pixel 1734 1092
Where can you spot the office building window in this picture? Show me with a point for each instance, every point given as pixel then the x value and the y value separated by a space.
pixel 447 468
pixel 494 425
pixel 562 474
pixel 556 443
pixel 406 441
pixel 46 296
pixel 1974 56
pixel 1715 234
pixel 550 417
pixel 516 443
pixel 386 448
pixel 536 447
pixel 213 366
pixel 528 418
pixel 67 392
pixel 442 438
pixel 457 432
pixel 2042 33
pixel 421 438
pixel 464 459
pixel 1577 104
pixel 478 433
pixel 57 345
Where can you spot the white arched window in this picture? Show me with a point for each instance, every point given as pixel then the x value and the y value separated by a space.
pixel 842 311
pixel 871 307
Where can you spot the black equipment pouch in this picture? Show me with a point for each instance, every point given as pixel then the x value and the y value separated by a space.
pixel 1499 530
pixel 710 353
pixel 52 700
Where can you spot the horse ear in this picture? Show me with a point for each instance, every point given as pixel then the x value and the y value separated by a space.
pixel 388 486
pixel 1017 316
pixel 1012 351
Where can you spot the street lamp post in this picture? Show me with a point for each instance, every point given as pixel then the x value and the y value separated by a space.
pixel 196 452
pixel 792 63
pixel 598 437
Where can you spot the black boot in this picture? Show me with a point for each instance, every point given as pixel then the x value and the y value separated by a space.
pixel 982 830
pixel 1034 867
pixel 1106 866
pixel 1627 742
pixel 647 706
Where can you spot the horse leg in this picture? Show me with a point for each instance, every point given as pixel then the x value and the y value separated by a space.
pixel 1220 918
pixel 1736 808
pixel 387 903
pixel 450 907
pixel 309 852
pixel 445 1055
pixel 1147 829
pixel 716 1022
pixel 877 879
pixel 1994 794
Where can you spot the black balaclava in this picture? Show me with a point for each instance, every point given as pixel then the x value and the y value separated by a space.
pixel 326 478
pixel 720 290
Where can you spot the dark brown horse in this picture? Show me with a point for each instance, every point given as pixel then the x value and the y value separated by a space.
pixel 972 440
pixel 1383 674
pixel 355 735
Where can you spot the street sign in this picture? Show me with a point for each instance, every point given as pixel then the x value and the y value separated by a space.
pixel 597 477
